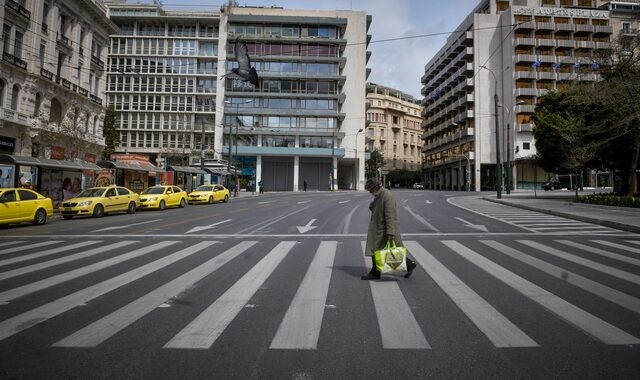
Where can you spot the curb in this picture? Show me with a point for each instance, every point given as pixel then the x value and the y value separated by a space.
pixel 586 219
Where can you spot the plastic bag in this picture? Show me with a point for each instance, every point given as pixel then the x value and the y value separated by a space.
pixel 391 259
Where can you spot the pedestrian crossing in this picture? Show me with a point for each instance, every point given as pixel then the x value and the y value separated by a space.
pixel 53 280
pixel 531 221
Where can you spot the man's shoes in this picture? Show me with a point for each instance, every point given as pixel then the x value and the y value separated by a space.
pixel 370 276
pixel 411 265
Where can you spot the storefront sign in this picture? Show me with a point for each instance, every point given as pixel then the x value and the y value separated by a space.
pixel 7 144
pixel 103 177
pixel 129 157
pixel 560 12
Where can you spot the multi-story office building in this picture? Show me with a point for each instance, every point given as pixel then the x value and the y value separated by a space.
pixel 515 53
pixel 165 69
pixel 394 127
pixel 52 80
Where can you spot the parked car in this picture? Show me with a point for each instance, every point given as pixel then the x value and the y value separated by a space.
pixel 209 194
pixel 418 185
pixel 161 197
pixel 98 201
pixel 23 205
pixel 560 182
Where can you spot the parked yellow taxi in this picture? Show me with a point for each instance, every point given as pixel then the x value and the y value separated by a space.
pixel 161 197
pixel 24 205
pixel 209 194
pixel 98 201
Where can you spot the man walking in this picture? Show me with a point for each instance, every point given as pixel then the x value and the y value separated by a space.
pixel 304 184
pixel 383 227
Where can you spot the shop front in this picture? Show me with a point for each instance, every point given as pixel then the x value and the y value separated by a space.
pixel 132 174
pixel 184 177
pixel 56 179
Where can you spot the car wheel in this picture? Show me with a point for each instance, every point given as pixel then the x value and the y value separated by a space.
pixel 226 198
pixel 98 211
pixel 210 200
pixel 552 188
pixel 182 203
pixel 162 205
pixel 67 216
pixel 40 217
pixel 132 208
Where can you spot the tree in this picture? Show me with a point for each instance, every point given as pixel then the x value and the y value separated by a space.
pixel 111 136
pixel 374 164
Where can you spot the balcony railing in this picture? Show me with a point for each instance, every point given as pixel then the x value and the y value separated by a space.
pixel 66 83
pixel 45 28
pixel 14 60
pixel 14 116
pixel 97 61
pixel 63 41
pixel 95 99
pixel 46 73
pixel 17 8
pixel 83 91
pixel 81 51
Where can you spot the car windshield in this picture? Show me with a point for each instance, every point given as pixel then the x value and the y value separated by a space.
pixel 154 190
pixel 90 193
pixel 204 188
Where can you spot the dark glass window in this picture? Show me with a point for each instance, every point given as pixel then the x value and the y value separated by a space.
pixel 26 195
pixel 123 191
pixel 9 196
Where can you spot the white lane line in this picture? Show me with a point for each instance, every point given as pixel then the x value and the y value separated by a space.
pixel 257 227
pixel 421 219
pixel 633 241
pixel 601 252
pixel 398 326
pixel 300 327
pixel 347 220
pixel 618 246
pixel 62 260
pixel 101 330
pixel 497 328
pixel 21 291
pixel 42 313
pixel 561 227
pixel 8 243
pixel 341 202
pixel 48 252
pixel 303 202
pixel 203 331
pixel 603 291
pixel 582 261
pixel 579 318
pixel 29 246
pixel 265 202
pixel 127 225
pixel 202 228
pixel 488 215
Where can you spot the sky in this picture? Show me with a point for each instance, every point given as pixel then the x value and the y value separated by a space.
pixel 397 64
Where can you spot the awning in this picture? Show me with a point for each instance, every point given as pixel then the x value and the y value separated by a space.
pixel 139 166
pixel 47 163
pixel 185 169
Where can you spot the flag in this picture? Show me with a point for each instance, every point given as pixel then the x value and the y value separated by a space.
pixel 556 66
pixel 536 64
pixel 595 66
pixel 577 65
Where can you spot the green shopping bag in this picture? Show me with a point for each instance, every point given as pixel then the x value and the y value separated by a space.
pixel 391 259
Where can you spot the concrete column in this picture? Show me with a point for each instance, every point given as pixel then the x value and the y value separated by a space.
pixel 334 166
pixel 296 172
pixel 258 170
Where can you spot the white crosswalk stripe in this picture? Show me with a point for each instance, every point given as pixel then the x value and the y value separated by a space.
pixel 10 243
pixel 28 247
pixel 303 323
pixel 47 252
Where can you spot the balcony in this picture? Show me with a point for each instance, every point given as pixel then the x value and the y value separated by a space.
pixel 64 42
pixel 18 9
pixel 14 117
pixel 545 26
pixel 83 91
pixel 524 127
pixel 547 58
pixel 97 61
pixel 529 25
pixel 546 42
pixel 585 45
pixel 525 75
pixel 603 29
pixel 524 108
pixel 526 92
pixel 46 73
pixel 95 99
pixel 603 45
pixel 66 83
pixel 564 27
pixel 12 59
pixel 524 42
pixel 525 58
pixel 45 28
pixel 628 32
pixel 564 76
pixel 546 75
pixel 565 43
pixel 583 28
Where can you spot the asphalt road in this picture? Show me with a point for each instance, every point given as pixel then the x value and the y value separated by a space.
pixel 268 287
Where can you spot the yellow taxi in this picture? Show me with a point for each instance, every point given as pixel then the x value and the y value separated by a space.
pixel 209 194
pixel 98 201
pixel 24 205
pixel 161 197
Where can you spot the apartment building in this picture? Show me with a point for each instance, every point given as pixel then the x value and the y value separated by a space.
pixel 52 82
pixel 165 72
pixel 514 52
pixel 625 18
pixel 394 127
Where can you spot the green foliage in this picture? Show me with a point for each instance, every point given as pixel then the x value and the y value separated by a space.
pixel 375 162
pixel 111 136
pixel 610 200
pixel 404 177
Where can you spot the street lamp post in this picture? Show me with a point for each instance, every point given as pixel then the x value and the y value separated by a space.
pixel 235 167
pixel 355 187
pixel 509 170
pixel 498 164
pixel 202 156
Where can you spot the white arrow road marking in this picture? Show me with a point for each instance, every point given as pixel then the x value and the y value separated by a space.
pixel 127 226
pixel 341 202
pixel 308 227
pixel 200 228
pixel 301 202
pixel 428 202
pixel 479 227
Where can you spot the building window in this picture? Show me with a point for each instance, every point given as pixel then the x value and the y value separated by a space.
pixel 36 108
pixel 43 49
pixel 6 36
pixel 15 96
pixel 17 45
pixel 2 85
pixel 526 146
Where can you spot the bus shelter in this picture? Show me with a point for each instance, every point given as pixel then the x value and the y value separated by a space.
pixel 134 175
pixel 185 177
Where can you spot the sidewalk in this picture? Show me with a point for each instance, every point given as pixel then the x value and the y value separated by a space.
pixel 561 203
